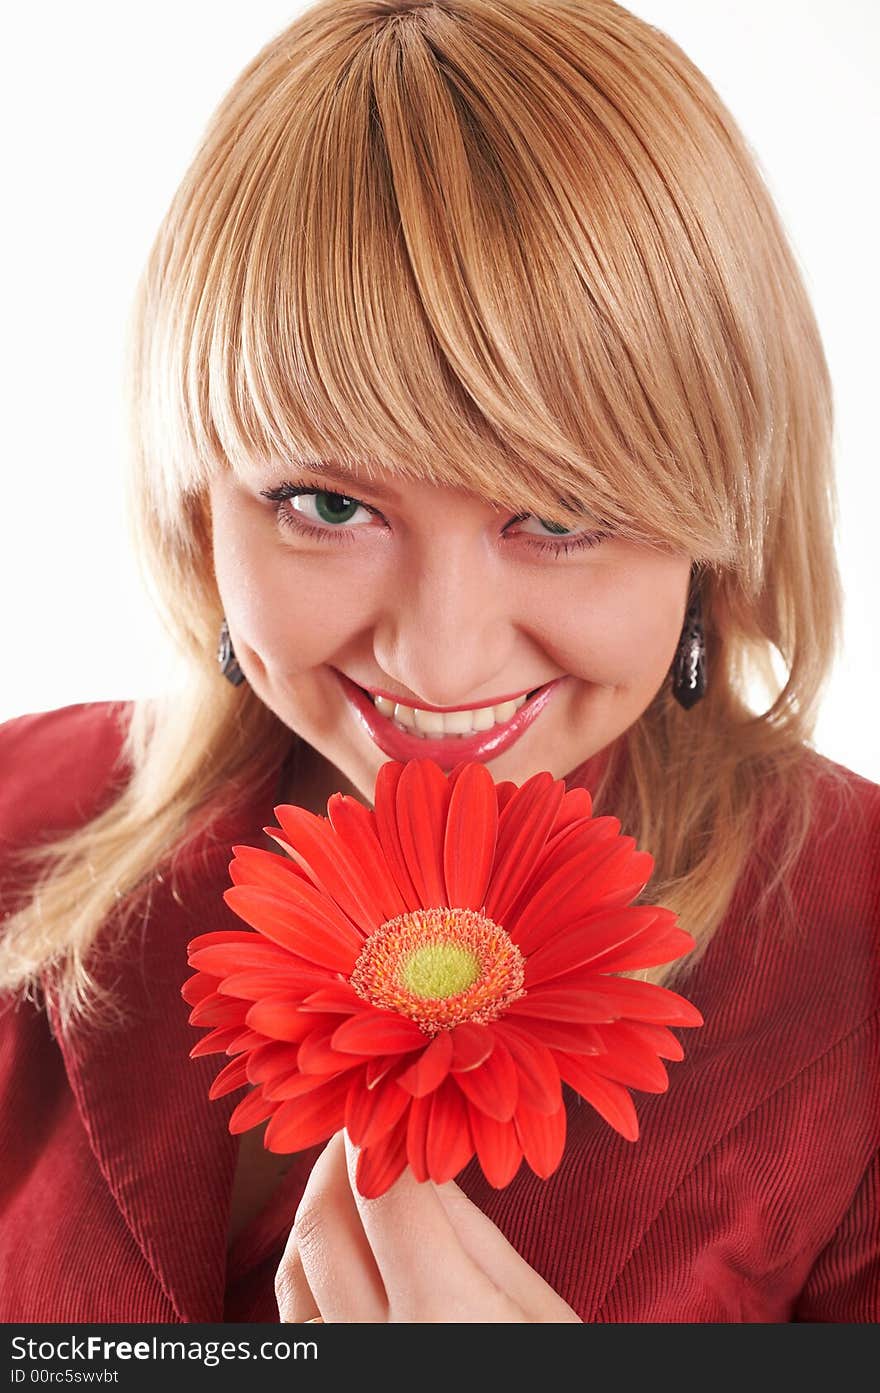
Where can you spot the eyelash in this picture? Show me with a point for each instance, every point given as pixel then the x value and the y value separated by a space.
pixel 287 490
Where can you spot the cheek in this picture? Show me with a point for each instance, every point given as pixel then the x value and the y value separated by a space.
pixel 292 613
pixel 624 631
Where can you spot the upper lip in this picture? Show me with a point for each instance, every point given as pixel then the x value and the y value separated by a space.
pixel 425 706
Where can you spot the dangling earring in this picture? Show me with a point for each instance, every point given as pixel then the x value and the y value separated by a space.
pixel 227 659
pixel 689 665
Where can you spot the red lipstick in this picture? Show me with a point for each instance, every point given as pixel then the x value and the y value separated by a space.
pixel 447 750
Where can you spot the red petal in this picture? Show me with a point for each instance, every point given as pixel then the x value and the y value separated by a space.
pixel 497 1146
pixel 539 1085
pixel 355 826
pixel 330 864
pixel 339 998
pixel 378 1032
pixel 378 1166
pixel 431 1067
pixel 218 1010
pixel 576 808
pixel 610 1100
pixel 271 1061
pixel 417 1136
pixel 455 773
pixel 493 1086
pixel 378 1067
pixel 316 1056
pixel 571 841
pixel 552 898
pixel 450 1145
pixel 215 1041
pixel 194 988
pixel 303 920
pixel 471 836
pixel 619 874
pixel 628 997
pixel 619 879
pixel 471 1045
pixel 255 983
pixel 232 1075
pixel 658 1038
pixel 302 1122
pixel 385 813
pixel 562 1035
pixel 648 1075
pixel 523 828
pixel 246 1039
pixel 370 1114
pixel 219 937
pixel 625 1043
pixel 294 1084
pixel 559 1003
pixel 422 800
pixel 609 931
pixel 542 1137
pixel 223 958
pixel 299 1085
pixel 655 945
pixel 250 1111
pixel 504 792
pixel 254 866
pixel 279 1018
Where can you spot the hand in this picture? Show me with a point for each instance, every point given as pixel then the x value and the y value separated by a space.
pixel 419 1253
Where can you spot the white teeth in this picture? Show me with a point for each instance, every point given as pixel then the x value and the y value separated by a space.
pixel 458 722
pixel 429 724
pixel 405 715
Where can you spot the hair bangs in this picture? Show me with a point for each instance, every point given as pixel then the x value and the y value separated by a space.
pixel 398 265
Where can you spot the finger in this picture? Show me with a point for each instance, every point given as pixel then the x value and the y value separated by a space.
pixel 490 1250
pixel 296 1301
pixel 414 1241
pixel 328 1245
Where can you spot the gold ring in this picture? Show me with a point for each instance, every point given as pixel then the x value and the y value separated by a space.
pixel 310 1320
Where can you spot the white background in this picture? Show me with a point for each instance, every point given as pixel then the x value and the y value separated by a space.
pixel 103 105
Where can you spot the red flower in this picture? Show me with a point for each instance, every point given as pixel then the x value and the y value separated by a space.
pixel 429 973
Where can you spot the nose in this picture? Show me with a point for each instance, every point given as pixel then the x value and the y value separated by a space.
pixel 447 631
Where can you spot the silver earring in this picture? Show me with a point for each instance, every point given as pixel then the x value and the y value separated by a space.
pixel 689 665
pixel 226 658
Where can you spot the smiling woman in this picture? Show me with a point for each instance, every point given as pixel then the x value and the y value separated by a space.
pixel 478 405
pixel 395 591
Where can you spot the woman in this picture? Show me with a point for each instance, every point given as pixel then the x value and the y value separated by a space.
pixel 470 362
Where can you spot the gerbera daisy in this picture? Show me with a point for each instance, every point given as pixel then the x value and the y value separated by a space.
pixel 427 974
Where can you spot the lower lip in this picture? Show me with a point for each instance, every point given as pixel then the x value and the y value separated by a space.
pixel 452 749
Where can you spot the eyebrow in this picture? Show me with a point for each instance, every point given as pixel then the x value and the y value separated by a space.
pixel 341 475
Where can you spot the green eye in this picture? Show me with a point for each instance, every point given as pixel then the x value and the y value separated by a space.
pixel 334 507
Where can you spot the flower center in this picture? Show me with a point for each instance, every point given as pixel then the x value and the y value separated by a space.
pixel 440 967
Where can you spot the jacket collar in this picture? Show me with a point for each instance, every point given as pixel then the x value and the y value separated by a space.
pixel 163 1146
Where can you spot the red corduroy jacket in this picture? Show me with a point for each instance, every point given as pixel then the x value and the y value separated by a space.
pixel 752 1194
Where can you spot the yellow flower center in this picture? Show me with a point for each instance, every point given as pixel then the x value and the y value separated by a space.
pixel 440 967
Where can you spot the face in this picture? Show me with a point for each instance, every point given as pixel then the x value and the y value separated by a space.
pixel 438 599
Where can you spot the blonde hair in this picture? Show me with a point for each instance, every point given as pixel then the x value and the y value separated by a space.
pixel 516 247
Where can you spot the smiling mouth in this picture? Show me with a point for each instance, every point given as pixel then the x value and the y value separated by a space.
pixel 529 695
